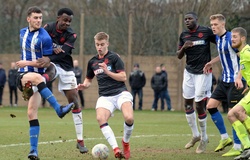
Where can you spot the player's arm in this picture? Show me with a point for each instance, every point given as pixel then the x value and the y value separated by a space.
pixel 238 81
pixel 24 63
pixel 120 76
pixel 209 64
pixel 180 53
pixel 86 83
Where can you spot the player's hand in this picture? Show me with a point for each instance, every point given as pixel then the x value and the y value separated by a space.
pixel 58 50
pixel 43 62
pixel 238 83
pixel 245 90
pixel 81 86
pixel 103 66
pixel 207 68
pixel 188 44
pixel 21 64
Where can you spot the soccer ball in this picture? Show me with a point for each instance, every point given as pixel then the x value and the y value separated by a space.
pixel 100 151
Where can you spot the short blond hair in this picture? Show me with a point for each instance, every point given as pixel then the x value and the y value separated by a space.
pixel 101 36
pixel 220 17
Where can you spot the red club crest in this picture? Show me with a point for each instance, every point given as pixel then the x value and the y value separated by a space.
pixel 200 35
pixel 62 40
pixel 106 61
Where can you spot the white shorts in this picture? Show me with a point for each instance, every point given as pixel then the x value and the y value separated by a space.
pixel 67 79
pixel 197 86
pixel 112 103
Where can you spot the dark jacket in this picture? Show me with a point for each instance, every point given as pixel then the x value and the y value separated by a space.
pixel 166 77
pixel 137 79
pixel 158 82
pixel 78 74
pixel 2 77
pixel 12 76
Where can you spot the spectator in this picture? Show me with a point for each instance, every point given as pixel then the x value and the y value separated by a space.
pixel 12 76
pixel 137 81
pixel 78 74
pixel 2 82
pixel 166 94
pixel 158 84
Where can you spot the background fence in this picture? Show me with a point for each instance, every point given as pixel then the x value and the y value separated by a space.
pixel 174 68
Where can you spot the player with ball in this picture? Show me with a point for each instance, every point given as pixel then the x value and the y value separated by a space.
pixel 109 70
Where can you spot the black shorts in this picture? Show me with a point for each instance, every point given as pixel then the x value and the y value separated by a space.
pixel 18 80
pixel 227 92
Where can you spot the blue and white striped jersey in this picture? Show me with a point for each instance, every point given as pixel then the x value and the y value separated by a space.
pixel 228 57
pixel 34 45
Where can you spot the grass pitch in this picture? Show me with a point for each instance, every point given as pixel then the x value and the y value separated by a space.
pixel 157 135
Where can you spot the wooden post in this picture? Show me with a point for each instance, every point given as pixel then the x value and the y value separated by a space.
pixel 81 50
pixel 130 31
pixel 180 104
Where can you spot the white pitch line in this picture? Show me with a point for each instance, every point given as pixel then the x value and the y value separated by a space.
pixel 86 139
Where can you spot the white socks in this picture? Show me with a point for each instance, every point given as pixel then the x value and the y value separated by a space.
pixel 191 119
pixel 109 135
pixel 77 118
pixel 127 132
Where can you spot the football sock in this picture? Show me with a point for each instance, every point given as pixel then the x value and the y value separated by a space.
pixel 128 129
pixel 109 135
pixel 242 134
pixel 77 118
pixel 34 134
pixel 235 138
pixel 246 123
pixel 218 120
pixel 48 95
pixel 191 119
pixel 203 126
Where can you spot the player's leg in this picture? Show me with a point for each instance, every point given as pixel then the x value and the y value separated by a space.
pixel 50 73
pixel 72 96
pixel 234 96
pixel 219 94
pixel 104 109
pixel 188 95
pixel 37 80
pixel 80 94
pixel 238 117
pixel 34 129
pixel 67 84
pixel 203 83
pixel 125 104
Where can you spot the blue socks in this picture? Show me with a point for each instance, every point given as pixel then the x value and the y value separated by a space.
pixel 34 134
pixel 218 120
pixel 48 95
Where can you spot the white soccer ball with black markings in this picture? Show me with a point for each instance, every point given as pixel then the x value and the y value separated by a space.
pixel 100 151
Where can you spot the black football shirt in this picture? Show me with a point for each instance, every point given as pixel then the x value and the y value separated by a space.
pixel 198 55
pixel 107 85
pixel 64 40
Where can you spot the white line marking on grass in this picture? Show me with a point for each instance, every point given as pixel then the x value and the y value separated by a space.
pixel 86 139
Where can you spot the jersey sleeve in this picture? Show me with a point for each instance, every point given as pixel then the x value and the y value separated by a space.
pixel 181 42
pixel 119 65
pixel 47 45
pixel 90 73
pixel 69 44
